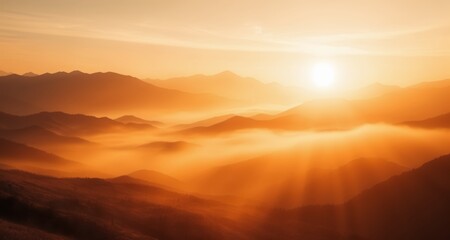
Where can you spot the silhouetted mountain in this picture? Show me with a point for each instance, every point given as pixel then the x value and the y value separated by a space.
pixel 124 179
pixel 14 154
pixel 158 178
pixel 134 119
pixel 101 93
pixel 67 124
pixel 36 136
pixel 88 208
pixel 230 124
pixel 206 122
pixel 30 74
pixel 413 205
pixel 13 231
pixel 233 86
pixel 441 121
pixel 319 114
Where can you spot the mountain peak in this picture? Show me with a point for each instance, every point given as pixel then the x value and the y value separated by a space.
pixel 227 73
pixel 29 74
pixel 76 72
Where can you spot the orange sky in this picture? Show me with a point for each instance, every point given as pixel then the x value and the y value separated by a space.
pixel 394 42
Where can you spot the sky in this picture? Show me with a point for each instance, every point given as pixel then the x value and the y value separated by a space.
pixel 392 42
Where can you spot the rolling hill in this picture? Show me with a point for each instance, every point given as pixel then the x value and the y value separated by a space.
pixel 89 208
pixel 158 178
pixel 412 205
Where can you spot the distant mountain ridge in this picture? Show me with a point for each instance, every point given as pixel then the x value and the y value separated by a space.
pixel 134 119
pixel 67 124
pixel 101 93
pixel 30 74
pixel 373 90
pixel 230 85
pixel 13 153
pixel 36 135
pixel 401 105
pixel 441 121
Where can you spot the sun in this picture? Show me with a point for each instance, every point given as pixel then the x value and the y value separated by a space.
pixel 323 75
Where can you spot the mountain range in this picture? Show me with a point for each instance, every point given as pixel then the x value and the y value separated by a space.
pixel 230 85
pixel 412 205
pixel 98 93
pixel 68 124
pixel 406 104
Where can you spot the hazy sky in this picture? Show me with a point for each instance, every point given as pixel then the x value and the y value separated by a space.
pixel 397 42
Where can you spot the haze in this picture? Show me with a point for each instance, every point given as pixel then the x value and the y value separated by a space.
pixel 219 120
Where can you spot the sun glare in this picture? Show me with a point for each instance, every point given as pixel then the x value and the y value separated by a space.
pixel 323 75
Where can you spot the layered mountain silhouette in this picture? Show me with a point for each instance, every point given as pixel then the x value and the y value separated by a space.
pixel 30 74
pixel 67 124
pixel 441 121
pixel 13 153
pixel 413 205
pixel 110 210
pixel 230 85
pixel 206 122
pixel 158 178
pixel 38 136
pixel 100 93
pixel 336 168
pixel 406 104
pixel 134 119
pixel 285 183
pixel 319 114
pixel 13 231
